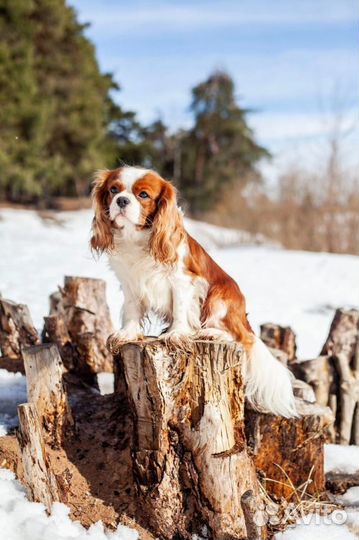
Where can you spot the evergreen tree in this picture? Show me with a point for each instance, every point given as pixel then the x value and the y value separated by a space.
pixel 55 106
pixel 220 148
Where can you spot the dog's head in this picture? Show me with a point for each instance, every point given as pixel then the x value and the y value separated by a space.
pixel 131 197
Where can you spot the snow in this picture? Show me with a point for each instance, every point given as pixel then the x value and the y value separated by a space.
pixel 315 527
pixel 340 458
pixel 21 519
pixel 299 289
pixel 12 392
pixel 350 497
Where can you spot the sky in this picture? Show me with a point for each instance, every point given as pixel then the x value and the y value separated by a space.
pixel 294 63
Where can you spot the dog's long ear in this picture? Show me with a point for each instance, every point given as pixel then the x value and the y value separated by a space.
pixel 167 228
pixel 102 236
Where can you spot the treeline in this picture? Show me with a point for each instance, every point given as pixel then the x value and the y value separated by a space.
pixel 59 121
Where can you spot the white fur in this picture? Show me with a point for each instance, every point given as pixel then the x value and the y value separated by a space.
pixel 130 175
pixel 132 212
pixel 268 382
pixel 152 286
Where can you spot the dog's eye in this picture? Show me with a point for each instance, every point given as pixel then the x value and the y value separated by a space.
pixel 114 189
pixel 143 195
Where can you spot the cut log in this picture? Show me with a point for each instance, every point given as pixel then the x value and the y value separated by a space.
pixel 45 390
pixel 190 460
pixel 280 337
pixel 334 375
pixel 292 448
pixel 16 329
pixel 80 323
pixel 39 480
pixel 342 345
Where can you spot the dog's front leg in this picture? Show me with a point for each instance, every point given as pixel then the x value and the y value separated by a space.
pixel 131 323
pixel 182 299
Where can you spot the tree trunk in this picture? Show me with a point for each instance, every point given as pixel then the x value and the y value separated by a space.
pixel 39 480
pixel 190 459
pixel 290 452
pixel 80 323
pixel 45 390
pixel 16 330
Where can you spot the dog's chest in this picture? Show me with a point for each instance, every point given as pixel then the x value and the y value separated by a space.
pixel 148 281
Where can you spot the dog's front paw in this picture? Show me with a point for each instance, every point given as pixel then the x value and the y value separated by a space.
pixel 117 339
pixel 177 336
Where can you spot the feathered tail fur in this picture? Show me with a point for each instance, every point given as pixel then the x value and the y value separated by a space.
pixel 268 382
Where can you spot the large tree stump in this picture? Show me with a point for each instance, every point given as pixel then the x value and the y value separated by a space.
pixel 16 331
pixel 334 375
pixel 290 452
pixel 45 390
pixel 190 460
pixel 39 480
pixel 79 323
pixel 280 337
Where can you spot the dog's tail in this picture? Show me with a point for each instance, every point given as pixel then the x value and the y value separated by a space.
pixel 268 382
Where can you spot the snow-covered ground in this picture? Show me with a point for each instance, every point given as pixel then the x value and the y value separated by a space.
pixel 292 288
pixel 21 519
pixel 299 289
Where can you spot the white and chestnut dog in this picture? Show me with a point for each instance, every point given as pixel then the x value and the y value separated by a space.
pixel 165 271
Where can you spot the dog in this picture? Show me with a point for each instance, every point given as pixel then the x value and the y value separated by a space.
pixel 163 270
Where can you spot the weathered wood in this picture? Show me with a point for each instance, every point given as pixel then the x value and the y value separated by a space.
pixel 250 508
pixel 45 390
pixel 39 480
pixel 280 337
pixel 16 329
pixel 342 345
pixel 80 323
pixel 334 376
pixel 292 445
pixel 190 459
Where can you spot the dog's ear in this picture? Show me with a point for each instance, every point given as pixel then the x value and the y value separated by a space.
pixel 167 228
pixel 102 235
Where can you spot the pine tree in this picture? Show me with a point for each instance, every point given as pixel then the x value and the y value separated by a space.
pixel 220 148
pixel 55 106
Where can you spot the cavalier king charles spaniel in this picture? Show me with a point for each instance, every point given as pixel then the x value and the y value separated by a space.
pixel 162 269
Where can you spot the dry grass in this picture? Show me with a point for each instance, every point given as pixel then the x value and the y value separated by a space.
pixel 286 511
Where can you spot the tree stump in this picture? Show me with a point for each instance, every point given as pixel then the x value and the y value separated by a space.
pixel 290 452
pixel 79 323
pixel 45 390
pixel 16 331
pixel 39 480
pixel 334 375
pixel 280 337
pixel 190 459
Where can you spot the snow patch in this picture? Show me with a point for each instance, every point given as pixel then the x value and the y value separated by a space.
pixel 340 458
pixel 12 392
pixel 21 519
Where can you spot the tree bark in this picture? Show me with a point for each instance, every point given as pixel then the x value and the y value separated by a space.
pixel 39 480
pixel 45 390
pixel 280 337
pixel 80 323
pixel 16 330
pixel 292 445
pixel 190 459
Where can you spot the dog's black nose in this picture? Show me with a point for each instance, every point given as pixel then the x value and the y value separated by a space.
pixel 123 202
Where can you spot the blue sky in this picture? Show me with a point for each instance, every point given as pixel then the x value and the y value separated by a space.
pixel 293 62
